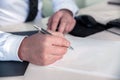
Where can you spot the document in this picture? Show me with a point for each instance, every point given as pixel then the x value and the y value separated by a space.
pixel 102 12
pixel 90 60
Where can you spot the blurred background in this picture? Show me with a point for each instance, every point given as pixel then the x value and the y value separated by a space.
pixel 47 6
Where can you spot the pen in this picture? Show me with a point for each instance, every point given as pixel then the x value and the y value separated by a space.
pixel 46 32
pixel 42 30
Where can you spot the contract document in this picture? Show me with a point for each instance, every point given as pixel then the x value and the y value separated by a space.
pixel 90 59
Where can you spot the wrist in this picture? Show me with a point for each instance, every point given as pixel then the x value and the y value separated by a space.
pixel 21 52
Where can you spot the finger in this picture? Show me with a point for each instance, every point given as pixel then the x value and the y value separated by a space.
pixel 70 26
pixel 66 29
pixel 59 41
pixel 62 25
pixel 51 59
pixel 49 23
pixel 56 33
pixel 55 21
pixel 56 58
pixel 59 51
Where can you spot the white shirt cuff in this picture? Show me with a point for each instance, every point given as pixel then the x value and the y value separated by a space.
pixel 11 48
pixel 65 4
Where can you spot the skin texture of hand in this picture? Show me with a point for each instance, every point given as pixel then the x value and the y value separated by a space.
pixel 63 19
pixel 43 49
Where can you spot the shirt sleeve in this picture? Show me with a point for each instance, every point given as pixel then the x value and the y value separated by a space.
pixel 9 45
pixel 65 4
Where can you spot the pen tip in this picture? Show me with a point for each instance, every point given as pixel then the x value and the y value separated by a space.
pixel 71 48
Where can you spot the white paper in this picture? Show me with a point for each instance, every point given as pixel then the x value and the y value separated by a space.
pixel 94 57
pixel 90 60
pixel 102 12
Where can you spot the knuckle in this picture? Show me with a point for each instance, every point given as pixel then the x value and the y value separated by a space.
pixel 58 13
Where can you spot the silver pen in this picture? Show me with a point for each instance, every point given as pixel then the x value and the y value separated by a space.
pixel 46 32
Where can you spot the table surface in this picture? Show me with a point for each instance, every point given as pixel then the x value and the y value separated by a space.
pixel 105 35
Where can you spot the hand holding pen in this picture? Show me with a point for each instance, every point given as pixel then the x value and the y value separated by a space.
pixel 46 32
pixel 43 49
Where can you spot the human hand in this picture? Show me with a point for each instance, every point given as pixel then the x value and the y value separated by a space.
pixel 63 19
pixel 43 49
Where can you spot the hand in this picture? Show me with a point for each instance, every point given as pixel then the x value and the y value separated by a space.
pixel 64 19
pixel 43 49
